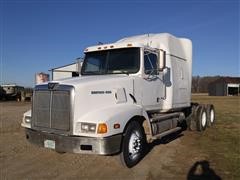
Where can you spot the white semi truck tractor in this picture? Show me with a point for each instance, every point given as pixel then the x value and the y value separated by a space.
pixel 129 93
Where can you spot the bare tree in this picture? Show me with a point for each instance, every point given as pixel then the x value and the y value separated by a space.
pixel 195 84
pixel 201 84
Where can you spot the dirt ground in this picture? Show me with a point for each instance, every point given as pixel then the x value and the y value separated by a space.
pixel 174 158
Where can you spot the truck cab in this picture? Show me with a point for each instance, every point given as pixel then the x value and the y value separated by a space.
pixel 129 93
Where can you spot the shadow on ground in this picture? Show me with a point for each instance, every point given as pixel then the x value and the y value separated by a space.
pixel 201 171
pixel 164 140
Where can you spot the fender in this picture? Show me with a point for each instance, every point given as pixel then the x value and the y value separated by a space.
pixel 118 114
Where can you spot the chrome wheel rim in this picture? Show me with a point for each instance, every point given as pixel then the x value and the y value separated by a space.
pixel 134 145
pixel 212 115
pixel 204 119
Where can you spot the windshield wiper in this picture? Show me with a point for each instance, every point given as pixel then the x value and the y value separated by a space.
pixel 118 72
pixel 92 73
pixel 125 72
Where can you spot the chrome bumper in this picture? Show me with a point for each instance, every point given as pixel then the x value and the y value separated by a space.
pixel 77 144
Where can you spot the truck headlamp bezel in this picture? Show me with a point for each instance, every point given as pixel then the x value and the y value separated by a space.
pixel 88 127
pixel 27 119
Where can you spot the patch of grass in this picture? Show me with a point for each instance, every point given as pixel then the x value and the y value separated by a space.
pixel 222 141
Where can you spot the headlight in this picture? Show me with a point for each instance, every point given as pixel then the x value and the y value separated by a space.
pixel 86 127
pixel 27 119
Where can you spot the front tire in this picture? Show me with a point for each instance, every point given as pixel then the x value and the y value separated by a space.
pixel 133 145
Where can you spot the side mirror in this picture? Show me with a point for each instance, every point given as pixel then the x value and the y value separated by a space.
pixel 162 60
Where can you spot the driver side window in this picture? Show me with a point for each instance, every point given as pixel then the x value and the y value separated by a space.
pixel 150 63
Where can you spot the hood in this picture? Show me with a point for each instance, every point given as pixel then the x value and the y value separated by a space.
pixel 92 79
pixel 93 93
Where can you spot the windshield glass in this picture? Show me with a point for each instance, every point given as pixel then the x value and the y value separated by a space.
pixel 115 61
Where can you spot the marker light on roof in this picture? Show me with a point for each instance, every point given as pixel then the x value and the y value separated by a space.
pixel 105 47
pixel 129 45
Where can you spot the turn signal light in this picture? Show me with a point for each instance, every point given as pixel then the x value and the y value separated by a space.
pixel 102 128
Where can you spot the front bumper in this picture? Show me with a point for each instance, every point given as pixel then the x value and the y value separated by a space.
pixel 77 144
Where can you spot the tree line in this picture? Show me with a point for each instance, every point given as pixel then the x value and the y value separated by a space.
pixel 200 84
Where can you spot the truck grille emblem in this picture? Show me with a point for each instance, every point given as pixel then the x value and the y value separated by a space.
pixel 52 85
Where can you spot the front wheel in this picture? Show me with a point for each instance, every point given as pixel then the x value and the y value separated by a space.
pixel 133 145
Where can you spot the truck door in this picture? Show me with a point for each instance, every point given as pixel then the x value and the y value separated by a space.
pixel 152 83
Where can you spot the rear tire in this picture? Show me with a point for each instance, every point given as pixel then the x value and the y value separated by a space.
pixel 201 118
pixel 210 115
pixel 192 125
pixel 133 145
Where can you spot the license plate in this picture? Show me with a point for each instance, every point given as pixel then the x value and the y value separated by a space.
pixel 49 144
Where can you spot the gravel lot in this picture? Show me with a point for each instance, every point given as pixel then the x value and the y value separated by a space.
pixel 167 159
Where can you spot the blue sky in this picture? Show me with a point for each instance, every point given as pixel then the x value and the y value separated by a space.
pixel 39 35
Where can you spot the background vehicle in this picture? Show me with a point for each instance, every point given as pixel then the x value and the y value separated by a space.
pixel 12 91
pixel 15 92
pixel 129 93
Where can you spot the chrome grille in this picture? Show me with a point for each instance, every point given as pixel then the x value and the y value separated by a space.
pixel 41 107
pixel 60 113
pixel 52 109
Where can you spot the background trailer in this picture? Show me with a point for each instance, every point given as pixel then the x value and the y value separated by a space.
pixel 67 71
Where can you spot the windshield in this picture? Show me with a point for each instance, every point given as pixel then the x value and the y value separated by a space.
pixel 115 61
